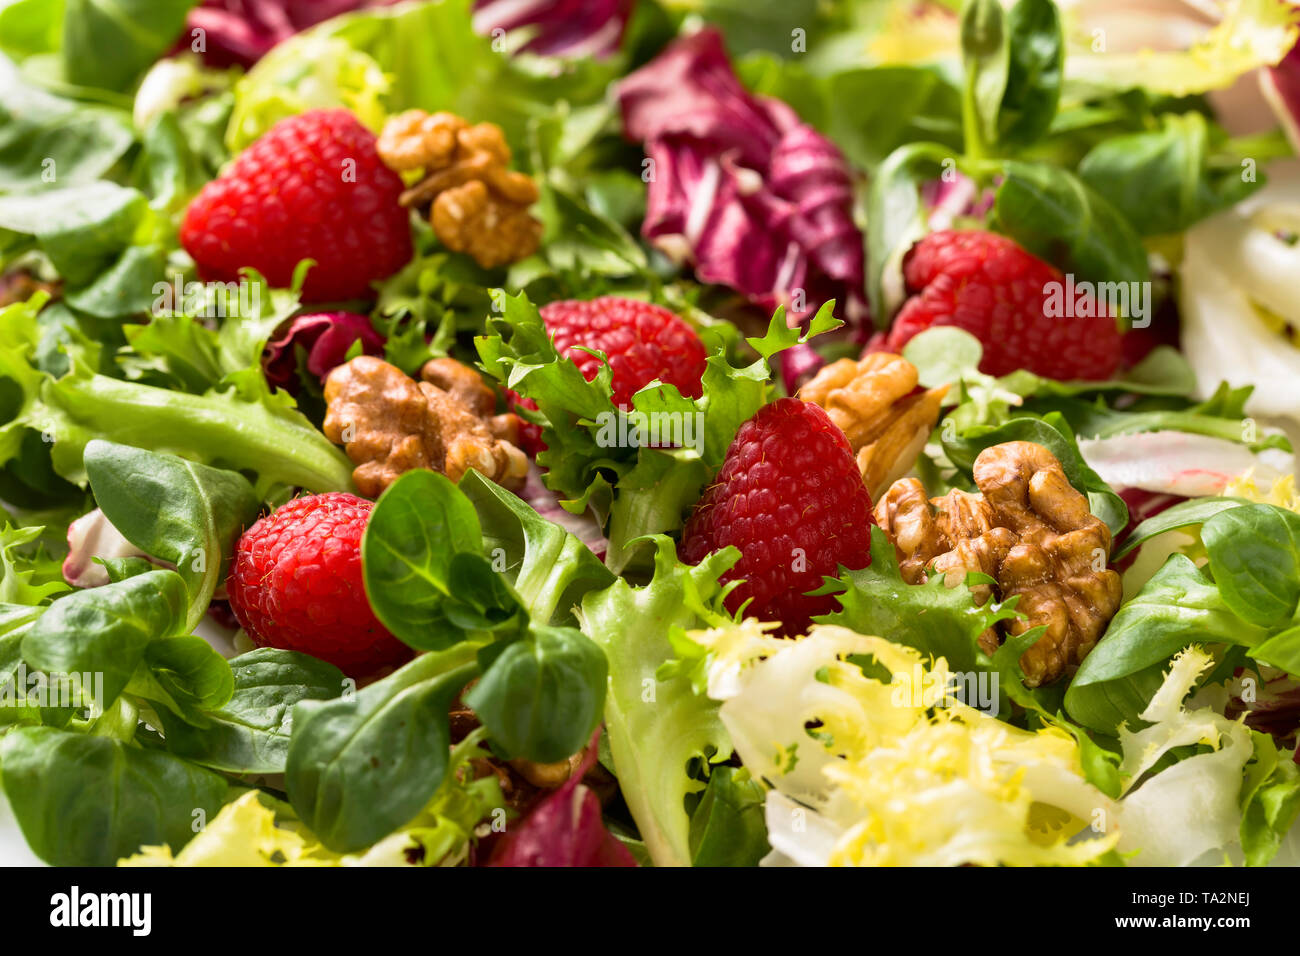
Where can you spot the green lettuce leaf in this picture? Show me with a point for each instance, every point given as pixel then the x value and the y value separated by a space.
pixel 250 732
pixel 659 728
pixel 306 72
pixel 107 44
pixel 594 456
pixel 935 619
pixel 1180 605
pixel 1165 180
pixel 1270 800
pixel 236 422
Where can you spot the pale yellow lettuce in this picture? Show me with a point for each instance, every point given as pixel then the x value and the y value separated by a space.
pixel 892 770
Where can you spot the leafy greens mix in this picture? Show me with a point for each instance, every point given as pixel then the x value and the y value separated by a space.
pixel 124 389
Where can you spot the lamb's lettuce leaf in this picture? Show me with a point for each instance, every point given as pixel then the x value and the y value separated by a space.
pixel 1013 73
pixel 1185 514
pixel 85 800
pixel 108 43
pixel 1050 212
pixel 187 514
pixel 104 631
pixel 259 830
pixel 44 135
pixel 361 766
pixel 1244 596
pixel 1165 180
pixel 250 732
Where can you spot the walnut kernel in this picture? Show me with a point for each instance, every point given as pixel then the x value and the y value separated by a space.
pixel 477 205
pixel 1031 531
pixel 389 424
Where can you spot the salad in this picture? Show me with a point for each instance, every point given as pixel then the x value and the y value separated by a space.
pixel 650 432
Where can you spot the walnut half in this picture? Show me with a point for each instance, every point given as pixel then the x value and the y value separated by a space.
pixel 875 403
pixel 1028 529
pixel 477 205
pixel 389 424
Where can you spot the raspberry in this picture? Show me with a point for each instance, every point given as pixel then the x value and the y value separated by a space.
pixel 295 583
pixel 313 188
pixel 991 287
pixel 530 434
pixel 790 497
pixel 642 342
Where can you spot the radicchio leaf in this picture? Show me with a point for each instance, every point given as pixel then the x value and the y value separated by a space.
pixel 326 337
pixel 560 28
pixel 1281 86
pixel 955 197
pixel 243 31
pixel 756 199
pixel 89 537
pixel 565 829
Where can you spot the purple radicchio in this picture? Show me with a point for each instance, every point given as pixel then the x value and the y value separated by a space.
pixel 1281 86
pixel 955 197
pixel 326 338
pixel 756 199
pixel 243 31
pixel 565 829
pixel 89 537
pixel 559 28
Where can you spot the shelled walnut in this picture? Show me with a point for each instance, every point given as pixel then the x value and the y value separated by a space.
pixel 477 205
pixel 1028 529
pixel 389 424
pixel 875 403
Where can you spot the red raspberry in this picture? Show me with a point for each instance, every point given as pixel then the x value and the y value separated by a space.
pixel 314 188
pixel 790 497
pixel 643 342
pixel 530 434
pixel 295 583
pixel 991 287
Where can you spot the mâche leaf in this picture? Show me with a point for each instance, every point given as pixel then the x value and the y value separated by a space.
pixel 1254 552
pixel 418 526
pixel 185 513
pixel 1058 218
pixel 250 733
pixel 1163 180
pixel 543 695
pixel 85 800
pixel 361 766
pixel 1180 605
pixel 105 631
